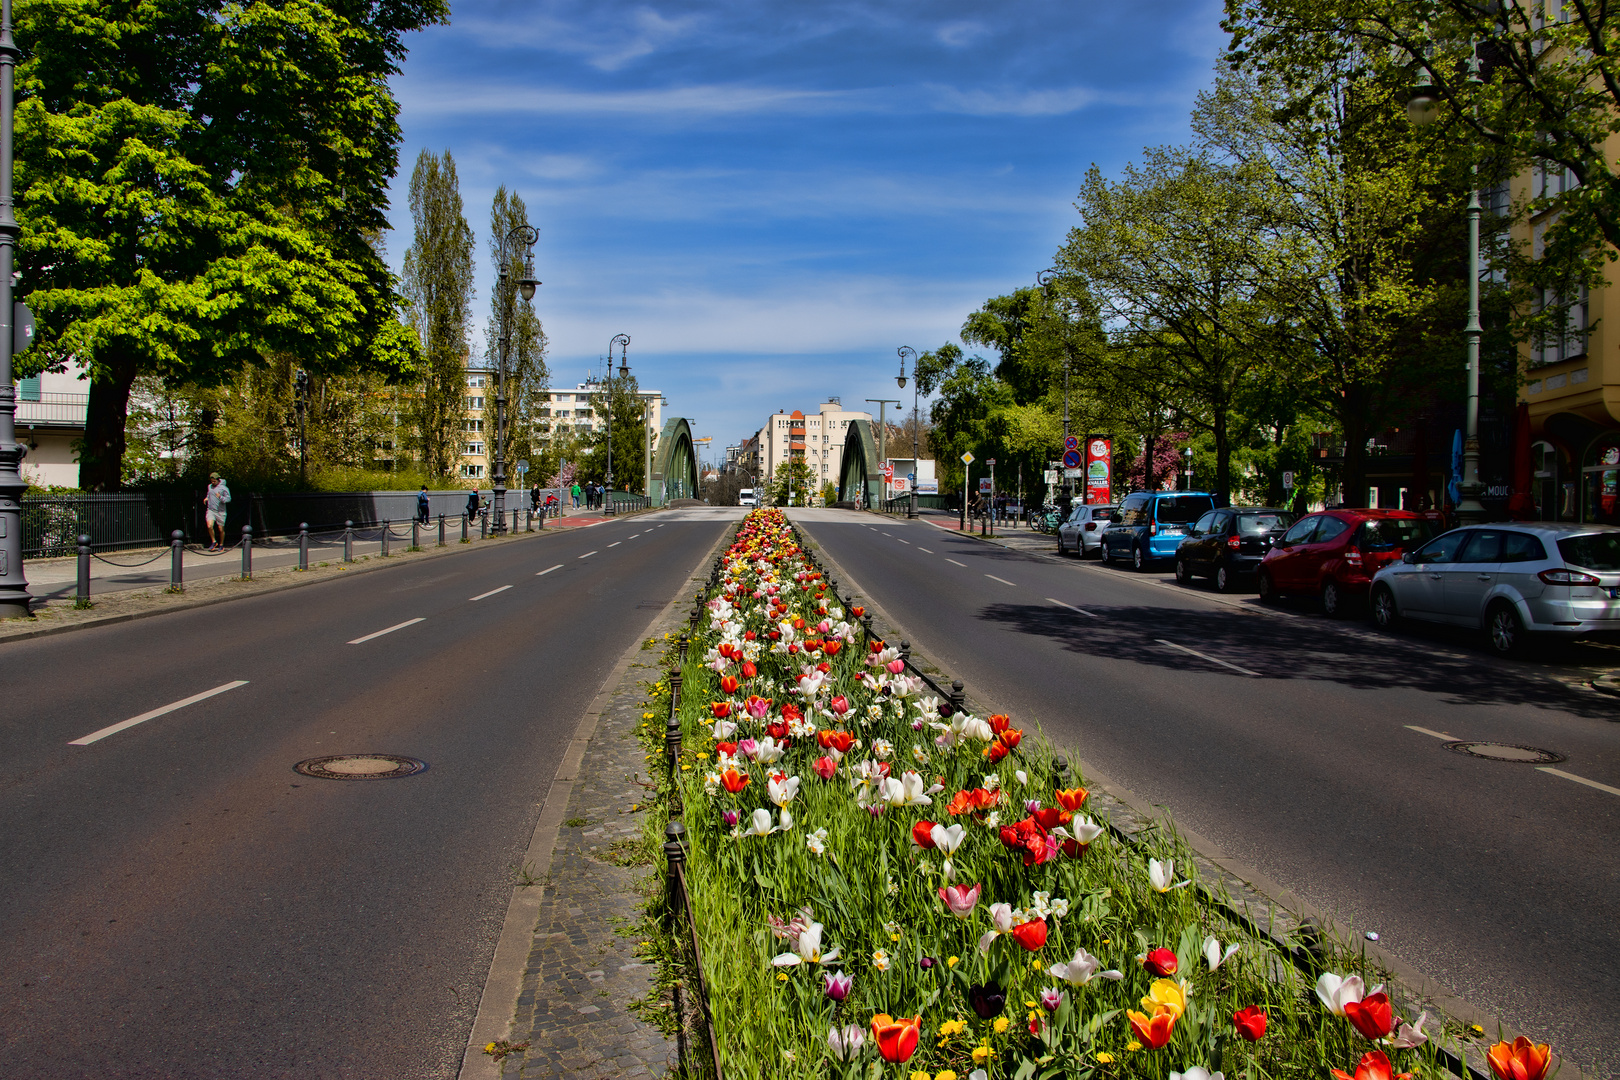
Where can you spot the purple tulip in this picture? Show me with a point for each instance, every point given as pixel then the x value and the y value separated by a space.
pixel 876 809
pixel 838 985
pixel 927 962
pixel 730 817
pixel 1031 805
pixel 917 724
pixel 1051 999
pixel 747 748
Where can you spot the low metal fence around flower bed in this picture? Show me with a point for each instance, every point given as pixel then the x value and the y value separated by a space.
pixel 865 876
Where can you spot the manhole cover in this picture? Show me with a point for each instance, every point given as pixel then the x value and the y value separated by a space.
pixel 362 767
pixel 1496 751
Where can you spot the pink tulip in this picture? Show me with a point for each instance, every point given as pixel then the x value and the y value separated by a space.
pixel 1051 999
pixel 895 667
pixel 839 705
pixel 838 985
pixel 960 899
pixel 747 748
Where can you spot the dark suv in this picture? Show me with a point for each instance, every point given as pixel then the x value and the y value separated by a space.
pixel 1334 554
pixel 1150 524
pixel 1227 545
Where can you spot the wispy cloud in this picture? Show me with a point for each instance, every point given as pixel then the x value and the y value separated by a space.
pixel 604 44
pixel 718 100
pixel 1015 101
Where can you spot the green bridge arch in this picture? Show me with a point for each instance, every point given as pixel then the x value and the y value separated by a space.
pixel 675 467
pixel 861 476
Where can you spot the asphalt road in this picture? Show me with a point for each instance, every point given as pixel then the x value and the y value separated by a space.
pixel 1500 880
pixel 177 902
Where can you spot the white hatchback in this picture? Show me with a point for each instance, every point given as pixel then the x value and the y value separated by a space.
pixel 1552 578
pixel 1082 530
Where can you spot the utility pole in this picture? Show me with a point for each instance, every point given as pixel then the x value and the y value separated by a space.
pixel 13 585
pixel 301 382
pixel 883 437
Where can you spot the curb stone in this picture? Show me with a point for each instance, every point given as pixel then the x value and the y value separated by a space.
pixel 1248 895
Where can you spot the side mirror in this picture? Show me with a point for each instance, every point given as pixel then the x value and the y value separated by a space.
pixel 1409 556
pixel 1115 519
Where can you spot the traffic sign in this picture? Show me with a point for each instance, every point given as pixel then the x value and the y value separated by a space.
pixel 1071 442
pixel 888 470
pixel 967 458
pixel 1288 479
pixel 1071 459
pixel 990 461
pixel 523 466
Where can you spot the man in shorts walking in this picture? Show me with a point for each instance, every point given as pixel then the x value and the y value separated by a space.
pixel 214 506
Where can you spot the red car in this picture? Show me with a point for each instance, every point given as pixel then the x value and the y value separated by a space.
pixel 1333 554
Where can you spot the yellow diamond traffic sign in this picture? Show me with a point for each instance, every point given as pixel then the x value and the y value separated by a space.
pixel 967 458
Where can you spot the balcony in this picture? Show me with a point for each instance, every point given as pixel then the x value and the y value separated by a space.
pixel 53 410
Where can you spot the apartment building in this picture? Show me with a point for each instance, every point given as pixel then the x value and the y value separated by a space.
pixel 51 412
pixel 817 438
pixel 560 411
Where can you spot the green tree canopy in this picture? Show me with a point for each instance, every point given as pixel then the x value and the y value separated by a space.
pixel 439 289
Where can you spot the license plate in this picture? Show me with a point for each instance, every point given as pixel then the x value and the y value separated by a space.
pixel 1614 592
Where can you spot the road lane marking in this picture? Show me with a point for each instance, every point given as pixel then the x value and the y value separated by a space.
pixel 963 565
pixel 1003 580
pixel 1431 734
pixel 548 570
pixel 903 541
pixel 615 543
pixel 587 555
pixel 380 633
pixel 1202 656
pixel 491 592
pixel 1071 607
pixel 1578 779
pixel 632 536
pixel 96 736
pixel 925 551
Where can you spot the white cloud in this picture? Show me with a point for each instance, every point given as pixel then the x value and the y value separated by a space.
pixel 607 47
pixel 435 100
pixel 1014 102
pixel 958 34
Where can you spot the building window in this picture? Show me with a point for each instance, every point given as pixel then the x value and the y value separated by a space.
pixel 476 382
pixel 472 425
pixel 1553 346
pixel 472 472
pixel 474 448
pixel 475 402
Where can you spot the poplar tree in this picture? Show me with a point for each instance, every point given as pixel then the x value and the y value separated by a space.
pixel 439 289
pixel 526 374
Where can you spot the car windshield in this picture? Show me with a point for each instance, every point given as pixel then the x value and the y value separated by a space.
pixel 1181 509
pixel 1594 551
pixel 1258 524
pixel 1387 534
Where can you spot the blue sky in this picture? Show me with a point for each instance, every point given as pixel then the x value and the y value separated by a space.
pixel 770 197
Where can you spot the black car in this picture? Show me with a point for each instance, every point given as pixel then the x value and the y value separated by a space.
pixel 1228 544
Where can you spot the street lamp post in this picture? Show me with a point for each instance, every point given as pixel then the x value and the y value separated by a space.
pixel 883 436
pixel 524 235
pixel 916 389
pixel 623 342
pixel 301 382
pixel 1422 108
pixel 13 585
pixel 1045 279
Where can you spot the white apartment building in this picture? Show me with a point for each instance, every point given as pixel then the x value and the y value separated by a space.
pixel 817 438
pixel 51 411
pixel 560 410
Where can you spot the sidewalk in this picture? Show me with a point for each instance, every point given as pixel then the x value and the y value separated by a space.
pixel 1010 534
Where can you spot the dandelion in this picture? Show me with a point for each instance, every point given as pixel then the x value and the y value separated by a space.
pixel 1001 1025
pixel 1133 1046
pixel 1105 1058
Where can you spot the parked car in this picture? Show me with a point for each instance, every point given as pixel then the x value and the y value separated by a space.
pixel 1509 580
pixel 1149 524
pixel 1333 554
pixel 1227 545
pixel 1082 530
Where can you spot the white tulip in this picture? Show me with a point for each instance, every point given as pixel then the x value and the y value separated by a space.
pixel 1213 954
pixel 1196 1072
pixel 1336 992
pixel 1082 969
pixel 1161 875
pixel 948 840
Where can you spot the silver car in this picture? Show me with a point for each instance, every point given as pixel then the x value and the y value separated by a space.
pixel 1082 530
pixel 1509 580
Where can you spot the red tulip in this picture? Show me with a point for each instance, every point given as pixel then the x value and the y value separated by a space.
pixel 777 730
pixel 1000 722
pixel 1371 1016
pixel 858 611
pixel 824 667
pixel 995 752
pixel 840 741
pixel 1031 840
pixel 729 684
pixel 1519 1060
pixel 1374 1065
pixel 1250 1022
pixel 922 834
pixel 791 712
pixel 775 635
pixel 1161 962
pixel 1031 935
pixel 825 767
pixel 1073 849
pixel 733 781
pixel 896 1039
pixel 722 709
pixel 748 635
pixel 1012 737
pixel 726 748
pixel 1071 799
pixel 831 647
pixel 1048 817
pixel 749 670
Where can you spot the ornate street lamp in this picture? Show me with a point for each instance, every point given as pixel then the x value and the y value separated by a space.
pixel 623 342
pixel 13 585
pixel 522 236
pixel 1044 279
pixel 916 389
pixel 1422 107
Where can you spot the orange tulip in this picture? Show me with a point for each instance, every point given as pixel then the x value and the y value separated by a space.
pixel 840 741
pixel 729 684
pixel 733 781
pixel 1000 722
pixel 896 1039
pixel 1071 799
pixel 1374 1065
pixel 1155 1030
pixel 1012 737
pixel 1522 1060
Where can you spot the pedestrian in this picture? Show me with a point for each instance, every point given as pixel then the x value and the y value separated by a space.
pixel 214 504
pixel 534 498
pixel 575 491
pixel 472 506
pixel 423 505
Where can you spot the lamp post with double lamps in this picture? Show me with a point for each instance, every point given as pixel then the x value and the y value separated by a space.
pixel 521 236
pixel 916 389
pixel 623 342
pixel 13 585
pixel 1422 108
pixel 1044 279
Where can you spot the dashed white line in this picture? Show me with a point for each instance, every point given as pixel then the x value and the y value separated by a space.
pixel 587 555
pixel 903 541
pixel 96 736
pixel 924 550
pixel 1431 734
pixel 548 570
pixel 632 536
pixel 1003 580
pixel 615 543
pixel 1203 656
pixel 963 565
pixel 491 592
pixel 1578 779
pixel 380 633
pixel 1071 607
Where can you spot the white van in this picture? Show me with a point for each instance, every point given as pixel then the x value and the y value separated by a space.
pixel 745 497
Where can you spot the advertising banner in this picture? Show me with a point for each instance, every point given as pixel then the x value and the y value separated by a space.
pixel 1099 469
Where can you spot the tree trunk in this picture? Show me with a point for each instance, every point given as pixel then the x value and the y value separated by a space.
pixel 1353 423
pixel 1223 461
pixel 1147 465
pixel 101 460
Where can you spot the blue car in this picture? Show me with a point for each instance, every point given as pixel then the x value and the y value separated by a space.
pixel 1150 524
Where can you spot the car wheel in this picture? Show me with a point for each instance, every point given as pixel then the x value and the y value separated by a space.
pixel 1138 558
pixel 1102 554
pixel 1332 599
pixel 1223 578
pixel 1183 575
pixel 1385 615
pixel 1060 544
pixel 1505 630
pixel 1267 588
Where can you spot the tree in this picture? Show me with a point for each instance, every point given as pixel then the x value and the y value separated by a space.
pixel 439 288
pixel 629 435
pixel 791 484
pixel 197 187
pixel 526 374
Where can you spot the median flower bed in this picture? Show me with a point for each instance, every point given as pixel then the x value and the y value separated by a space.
pixel 882 884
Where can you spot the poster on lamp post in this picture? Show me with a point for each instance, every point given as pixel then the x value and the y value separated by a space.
pixel 1099 469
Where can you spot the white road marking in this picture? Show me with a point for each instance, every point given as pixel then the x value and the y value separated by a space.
pixel 903 541
pixel 1003 580
pixel 1578 779
pixel 97 736
pixel 963 565
pixel 888 534
pixel 632 536
pixel 1431 734
pixel 491 592
pixel 925 551
pixel 615 543
pixel 548 570
pixel 380 633
pixel 1071 607
pixel 587 555
pixel 1202 656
